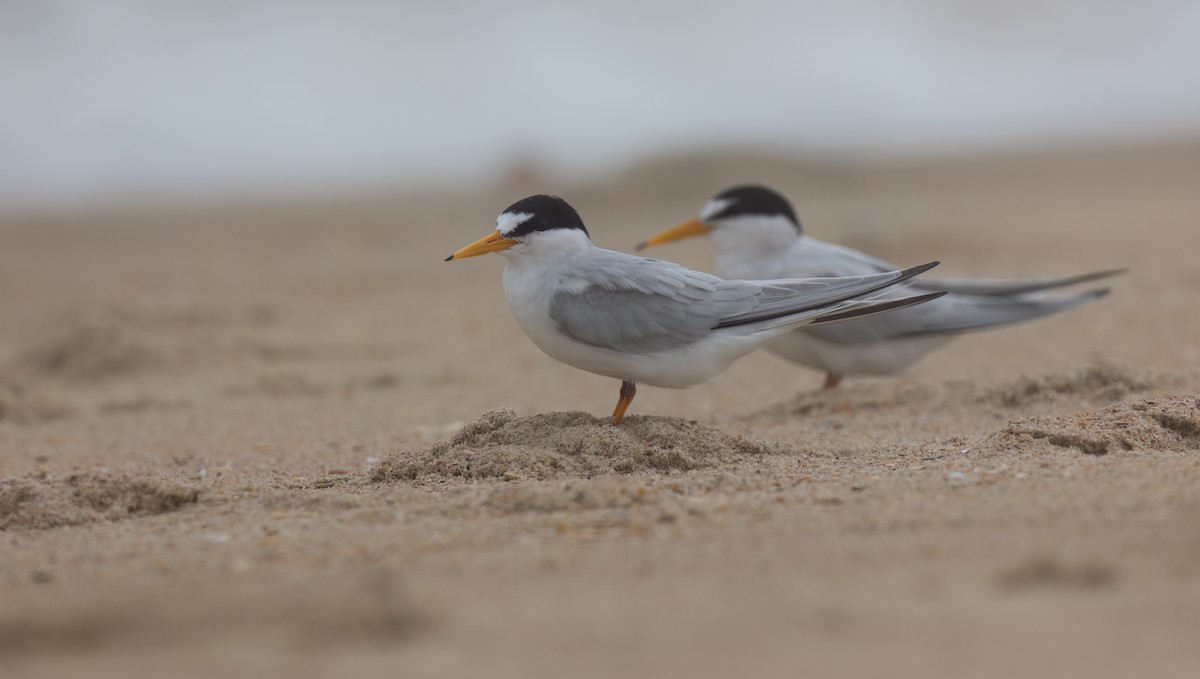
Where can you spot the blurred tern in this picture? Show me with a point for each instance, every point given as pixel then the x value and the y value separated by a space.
pixel 648 321
pixel 756 235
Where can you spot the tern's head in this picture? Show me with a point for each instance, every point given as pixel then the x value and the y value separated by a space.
pixel 741 217
pixel 537 224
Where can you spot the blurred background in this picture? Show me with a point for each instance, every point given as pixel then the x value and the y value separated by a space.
pixel 138 100
pixel 293 173
pixel 222 233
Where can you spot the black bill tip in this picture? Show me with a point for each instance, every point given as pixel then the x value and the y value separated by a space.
pixel 448 258
pixel 640 246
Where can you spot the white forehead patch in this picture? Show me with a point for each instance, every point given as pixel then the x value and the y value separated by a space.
pixel 508 221
pixel 714 207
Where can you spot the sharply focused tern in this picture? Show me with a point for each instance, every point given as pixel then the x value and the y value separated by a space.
pixel 756 235
pixel 648 321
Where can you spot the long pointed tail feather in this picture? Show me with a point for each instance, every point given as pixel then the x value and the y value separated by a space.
pixel 1014 287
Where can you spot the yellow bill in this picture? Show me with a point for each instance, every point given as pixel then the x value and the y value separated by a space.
pixel 493 242
pixel 692 227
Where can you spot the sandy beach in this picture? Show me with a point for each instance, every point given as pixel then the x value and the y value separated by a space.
pixel 289 440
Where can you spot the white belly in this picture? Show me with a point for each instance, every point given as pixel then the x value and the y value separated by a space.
pixel 686 366
pixel 879 358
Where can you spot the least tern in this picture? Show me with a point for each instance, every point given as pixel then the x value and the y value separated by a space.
pixel 648 321
pixel 756 234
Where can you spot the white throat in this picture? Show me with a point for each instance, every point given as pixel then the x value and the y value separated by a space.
pixel 753 246
pixel 754 234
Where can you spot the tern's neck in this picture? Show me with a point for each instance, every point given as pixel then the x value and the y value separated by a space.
pixel 739 242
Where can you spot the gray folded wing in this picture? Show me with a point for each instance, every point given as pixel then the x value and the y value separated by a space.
pixel 829 259
pixel 973 304
pixel 638 305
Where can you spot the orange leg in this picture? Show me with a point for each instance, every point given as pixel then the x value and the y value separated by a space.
pixel 628 389
pixel 831 381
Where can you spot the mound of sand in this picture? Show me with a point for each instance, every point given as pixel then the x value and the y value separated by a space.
pixel 39 502
pixel 1099 383
pixel 1095 384
pixel 94 349
pixel 1170 424
pixel 501 445
pixel 18 405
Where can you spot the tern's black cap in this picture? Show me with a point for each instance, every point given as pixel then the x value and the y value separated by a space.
pixel 545 213
pixel 753 200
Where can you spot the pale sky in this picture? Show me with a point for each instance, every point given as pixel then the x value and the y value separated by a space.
pixel 104 101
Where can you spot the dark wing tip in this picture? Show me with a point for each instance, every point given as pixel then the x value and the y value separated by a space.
pixel 920 299
pixel 917 270
pixel 879 307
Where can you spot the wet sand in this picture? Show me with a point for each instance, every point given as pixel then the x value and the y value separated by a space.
pixel 288 440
